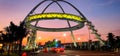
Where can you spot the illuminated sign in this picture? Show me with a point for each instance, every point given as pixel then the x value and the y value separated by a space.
pixel 61 16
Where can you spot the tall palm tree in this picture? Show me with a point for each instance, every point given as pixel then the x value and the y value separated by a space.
pixel 21 33
pixel 111 40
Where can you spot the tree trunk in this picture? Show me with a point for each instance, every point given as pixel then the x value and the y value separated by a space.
pixel 20 46
pixel 9 50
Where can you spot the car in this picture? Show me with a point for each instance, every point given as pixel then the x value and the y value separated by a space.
pixel 57 50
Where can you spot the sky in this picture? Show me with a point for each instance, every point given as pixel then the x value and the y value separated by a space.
pixel 104 14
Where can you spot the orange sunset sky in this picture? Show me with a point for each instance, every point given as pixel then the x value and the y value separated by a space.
pixel 104 14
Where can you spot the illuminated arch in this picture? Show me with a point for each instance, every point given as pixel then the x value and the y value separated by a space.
pixel 61 16
pixel 80 19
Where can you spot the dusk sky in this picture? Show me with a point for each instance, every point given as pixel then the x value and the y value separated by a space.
pixel 104 14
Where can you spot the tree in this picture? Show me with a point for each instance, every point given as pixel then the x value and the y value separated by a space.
pixel 117 41
pixel 9 37
pixel 111 40
pixel 15 33
pixel 21 32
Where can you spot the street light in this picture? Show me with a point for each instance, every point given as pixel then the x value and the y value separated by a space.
pixel 39 38
pixel 78 38
pixel 64 34
pixel 38 41
pixel 56 40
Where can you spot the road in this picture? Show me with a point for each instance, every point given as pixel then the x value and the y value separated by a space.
pixel 75 53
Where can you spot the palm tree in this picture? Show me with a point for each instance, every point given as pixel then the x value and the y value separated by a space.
pixel 15 33
pixel 7 38
pixel 21 33
pixel 111 40
pixel 117 43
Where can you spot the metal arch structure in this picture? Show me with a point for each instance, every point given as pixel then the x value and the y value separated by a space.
pixel 80 19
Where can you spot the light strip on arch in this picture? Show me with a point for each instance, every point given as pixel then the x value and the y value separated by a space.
pixel 55 15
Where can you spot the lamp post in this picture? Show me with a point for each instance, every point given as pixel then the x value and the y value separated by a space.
pixel 64 36
pixel 78 42
pixel 39 38
pixel 38 41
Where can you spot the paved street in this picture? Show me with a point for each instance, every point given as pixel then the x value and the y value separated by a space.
pixel 75 53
